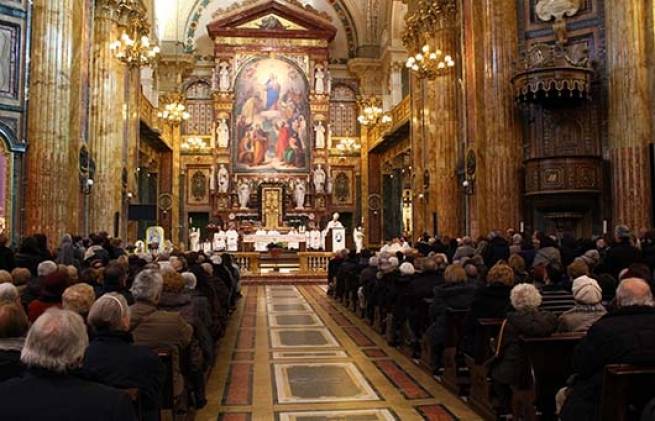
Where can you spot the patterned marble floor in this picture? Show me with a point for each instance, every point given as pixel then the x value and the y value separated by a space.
pixel 290 354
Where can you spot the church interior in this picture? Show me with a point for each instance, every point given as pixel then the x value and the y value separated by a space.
pixel 315 210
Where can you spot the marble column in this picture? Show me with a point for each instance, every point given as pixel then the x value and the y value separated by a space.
pixel 630 125
pixel 499 156
pixel 107 122
pixel 443 138
pixel 49 198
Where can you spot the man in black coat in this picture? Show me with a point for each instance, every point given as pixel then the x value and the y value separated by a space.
pixel 626 336
pixel 497 249
pixel 7 260
pixel 622 254
pixel 49 390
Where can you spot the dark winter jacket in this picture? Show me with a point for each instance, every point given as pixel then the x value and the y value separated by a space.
pixel 511 365
pixel 43 394
pixel 620 257
pixel 489 302
pixel 497 249
pixel 448 295
pixel 625 336
pixel 114 360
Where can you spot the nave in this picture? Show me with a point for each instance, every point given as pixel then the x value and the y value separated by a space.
pixel 293 354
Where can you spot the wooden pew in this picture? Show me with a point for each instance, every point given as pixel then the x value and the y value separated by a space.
pixel 454 377
pixel 550 366
pixel 168 390
pixel 626 390
pixel 480 391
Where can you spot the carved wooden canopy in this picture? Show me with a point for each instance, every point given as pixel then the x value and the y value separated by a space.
pixel 551 71
pixel 272 19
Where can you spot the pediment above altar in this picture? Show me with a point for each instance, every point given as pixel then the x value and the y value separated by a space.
pixel 272 19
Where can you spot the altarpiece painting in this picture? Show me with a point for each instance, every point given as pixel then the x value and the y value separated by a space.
pixel 271 118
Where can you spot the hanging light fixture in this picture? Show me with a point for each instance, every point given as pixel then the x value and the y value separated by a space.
pixel 371 113
pixel 429 63
pixel 174 113
pixel 348 146
pixel 196 144
pixel 134 46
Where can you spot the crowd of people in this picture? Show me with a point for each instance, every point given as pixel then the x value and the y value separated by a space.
pixel 82 325
pixel 538 284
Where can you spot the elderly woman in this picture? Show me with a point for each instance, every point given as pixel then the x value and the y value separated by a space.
pixel 13 327
pixel 54 348
pixel 157 328
pixel 510 367
pixel 9 294
pixel 114 360
pixel 588 308
pixel 454 293
pixel 78 298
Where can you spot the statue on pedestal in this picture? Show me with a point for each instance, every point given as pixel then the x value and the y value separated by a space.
pixel 222 134
pixel 319 129
pixel 223 179
pixel 319 179
pixel 243 190
pixel 224 83
pixel 299 194
pixel 319 80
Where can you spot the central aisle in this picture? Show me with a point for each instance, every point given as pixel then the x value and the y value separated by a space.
pixel 291 354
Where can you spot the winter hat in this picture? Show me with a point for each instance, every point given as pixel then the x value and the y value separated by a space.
pixel 586 290
pixel 407 269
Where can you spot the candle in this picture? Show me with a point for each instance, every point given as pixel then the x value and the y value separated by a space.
pixel 521 227
pixel 604 226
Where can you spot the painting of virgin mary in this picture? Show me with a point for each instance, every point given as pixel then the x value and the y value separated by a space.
pixel 271 108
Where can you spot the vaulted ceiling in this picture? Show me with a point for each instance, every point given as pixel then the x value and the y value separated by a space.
pixel 358 22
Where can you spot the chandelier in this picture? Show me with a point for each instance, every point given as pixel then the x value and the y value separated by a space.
pixel 136 50
pixel 430 64
pixel 174 113
pixel 349 145
pixel 372 114
pixel 194 144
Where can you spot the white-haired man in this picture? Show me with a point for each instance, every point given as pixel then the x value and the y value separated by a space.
pixel 54 347
pixel 156 328
pixel 626 335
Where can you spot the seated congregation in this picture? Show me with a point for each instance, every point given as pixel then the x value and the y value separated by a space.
pixel 92 332
pixel 532 327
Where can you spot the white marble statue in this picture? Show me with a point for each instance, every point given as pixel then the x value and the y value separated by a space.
pixel 299 191
pixel 232 237
pixel 358 239
pixel 319 80
pixel 219 243
pixel 243 190
pixel 319 129
pixel 194 239
pixel 223 179
pixel 222 134
pixel 319 179
pixel 224 82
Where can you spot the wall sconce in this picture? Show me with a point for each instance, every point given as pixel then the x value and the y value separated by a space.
pixel 87 185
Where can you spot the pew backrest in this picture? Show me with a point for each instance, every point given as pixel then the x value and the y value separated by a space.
pixel 626 390
pixel 168 391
